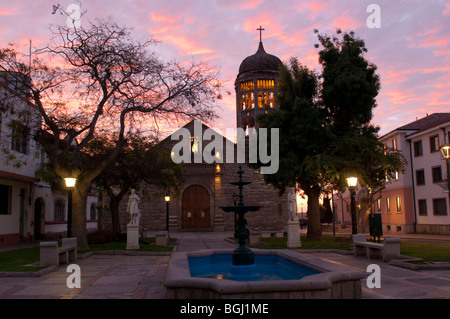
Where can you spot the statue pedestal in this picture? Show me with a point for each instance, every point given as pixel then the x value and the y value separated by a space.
pixel 133 237
pixel 293 234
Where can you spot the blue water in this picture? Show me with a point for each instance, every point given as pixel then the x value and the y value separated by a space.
pixel 267 267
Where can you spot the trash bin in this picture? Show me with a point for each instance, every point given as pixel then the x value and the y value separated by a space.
pixel 375 226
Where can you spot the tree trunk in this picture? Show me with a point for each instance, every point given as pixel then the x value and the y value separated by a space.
pixel 79 229
pixel 314 227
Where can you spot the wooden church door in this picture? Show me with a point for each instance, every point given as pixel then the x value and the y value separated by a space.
pixel 195 208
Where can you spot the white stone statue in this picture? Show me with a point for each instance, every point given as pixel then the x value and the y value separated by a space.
pixel 133 208
pixel 292 204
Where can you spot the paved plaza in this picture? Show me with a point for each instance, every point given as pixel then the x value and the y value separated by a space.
pixel 141 277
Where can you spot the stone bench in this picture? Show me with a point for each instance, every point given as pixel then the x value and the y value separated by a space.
pixel 162 238
pixel 388 250
pixel 272 234
pixel 51 254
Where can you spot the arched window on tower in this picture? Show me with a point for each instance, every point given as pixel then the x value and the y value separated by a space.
pixel 260 99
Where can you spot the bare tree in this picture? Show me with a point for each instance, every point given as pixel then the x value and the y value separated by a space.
pixel 97 81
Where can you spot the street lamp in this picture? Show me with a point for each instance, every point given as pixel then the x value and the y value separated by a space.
pixel 167 200
pixel 445 150
pixel 352 182
pixel 70 184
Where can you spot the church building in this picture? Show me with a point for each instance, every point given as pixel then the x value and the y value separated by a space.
pixel 207 186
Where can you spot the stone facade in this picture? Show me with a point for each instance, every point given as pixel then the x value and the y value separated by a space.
pixel 213 179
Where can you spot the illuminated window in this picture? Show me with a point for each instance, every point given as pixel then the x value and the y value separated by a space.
pixel 399 204
pixel 260 99
pixel 247 86
pixel 388 205
pixel 434 144
pixel 265 84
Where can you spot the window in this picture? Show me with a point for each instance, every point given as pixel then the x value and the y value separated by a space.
pixel 265 84
pixel 60 210
pixel 422 203
pixel 434 144
pixel 388 205
pixel 437 174
pixel 394 144
pixel 398 201
pixel 420 177
pixel 5 199
pixel 418 150
pixel 93 212
pixel 439 206
pixel 247 86
pixel 19 137
pixel 379 204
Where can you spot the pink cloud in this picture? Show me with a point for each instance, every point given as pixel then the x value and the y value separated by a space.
pixel 346 23
pixel 446 11
pixel 4 12
pixel 163 18
pixel 438 98
pixel 397 96
pixel 187 45
pixel 392 76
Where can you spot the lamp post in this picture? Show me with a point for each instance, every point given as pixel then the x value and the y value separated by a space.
pixel 167 200
pixel 445 150
pixel 70 184
pixel 352 182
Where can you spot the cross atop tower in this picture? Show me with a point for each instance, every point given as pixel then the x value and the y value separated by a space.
pixel 260 29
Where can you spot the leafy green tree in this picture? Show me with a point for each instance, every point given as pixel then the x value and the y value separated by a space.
pixel 303 138
pixel 349 84
pixel 324 123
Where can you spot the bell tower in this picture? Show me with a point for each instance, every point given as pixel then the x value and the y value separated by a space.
pixel 256 86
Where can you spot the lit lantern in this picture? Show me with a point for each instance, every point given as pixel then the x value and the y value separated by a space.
pixel 70 182
pixel 352 181
pixel 445 150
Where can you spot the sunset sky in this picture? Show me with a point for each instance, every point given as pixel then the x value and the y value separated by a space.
pixel 411 48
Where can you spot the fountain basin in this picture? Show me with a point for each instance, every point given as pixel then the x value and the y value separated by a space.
pixel 266 267
pixel 324 284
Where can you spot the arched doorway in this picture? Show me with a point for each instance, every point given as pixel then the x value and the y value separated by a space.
pixel 38 215
pixel 195 208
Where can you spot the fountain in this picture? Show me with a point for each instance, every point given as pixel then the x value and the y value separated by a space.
pixel 243 258
pixel 272 274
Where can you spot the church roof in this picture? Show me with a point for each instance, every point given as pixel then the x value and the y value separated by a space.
pixel 260 61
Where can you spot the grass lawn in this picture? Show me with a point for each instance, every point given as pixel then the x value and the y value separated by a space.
pixel 328 242
pixel 428 252
pixel 15 260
